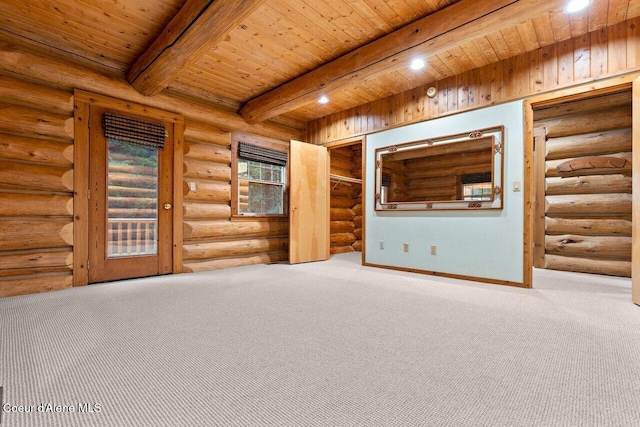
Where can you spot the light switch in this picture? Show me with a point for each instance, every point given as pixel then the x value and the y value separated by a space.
pixel 516 186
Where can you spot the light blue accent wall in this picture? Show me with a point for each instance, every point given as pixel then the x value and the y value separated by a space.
pixel 476 243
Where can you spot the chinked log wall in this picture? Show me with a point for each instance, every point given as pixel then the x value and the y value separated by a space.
pixel 588 209
pixel 608 52
pixel 36 175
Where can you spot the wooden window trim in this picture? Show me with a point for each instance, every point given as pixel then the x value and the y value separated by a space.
pixel 236 138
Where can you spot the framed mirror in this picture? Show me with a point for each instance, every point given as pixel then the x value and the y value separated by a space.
pixel 462 171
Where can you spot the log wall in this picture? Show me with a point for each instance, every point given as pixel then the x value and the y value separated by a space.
pixel 212 240
pixel 607 52
pixel 36 187
pixel 346 200
pixel 37 174
pixel 587 182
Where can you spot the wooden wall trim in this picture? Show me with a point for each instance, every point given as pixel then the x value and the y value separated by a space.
pixel 527 276
pixel 178 196
pixel 451 276
pixel 635 219
pixel 80 193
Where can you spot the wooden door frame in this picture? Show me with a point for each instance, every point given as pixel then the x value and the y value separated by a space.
pixel 82 104
pixel 584 91
pixel 362 140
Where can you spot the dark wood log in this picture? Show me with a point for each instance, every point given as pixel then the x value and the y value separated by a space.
pixel 341 202
pixel 591 104
pixel 357 221
pixel 208 191
pixel 612 247
pixel 588 265
pixel 35 205
pixel 117 191
pixel 342 239
pixel 268 258
pixel 31 122
pixel 590 144
pixel 341 226
pixel 133 202
pixel 357 245
pixel 204 210
pixel 36 150
pixel 21 92
pixel 588 205
pixel 131 180
pixel 341 249
pixel 44 177
pixel 594 184
pixel 448 171
pixel 341 214
pixel 36 259
pixel 20 235
pixel 235 248
pixel 206 170
pixel 432 182
pixel 474 158
pixel 614 118
pixel 213 230
pixel 207 133
pixel 588 227
pixel 358 233
pixel 31 284
pixel 207 152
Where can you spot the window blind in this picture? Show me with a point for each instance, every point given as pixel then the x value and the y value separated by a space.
pixel 261 154
pixel 134 131
pixel 476 178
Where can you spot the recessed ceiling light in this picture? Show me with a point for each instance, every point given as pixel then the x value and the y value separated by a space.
pixel 417 64
pixel 576 5
pixel 323 99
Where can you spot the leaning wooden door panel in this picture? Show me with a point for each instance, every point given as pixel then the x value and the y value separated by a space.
pixel 635 219
pixel 309 203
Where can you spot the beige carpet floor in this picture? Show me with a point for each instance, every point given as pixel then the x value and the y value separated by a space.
pixel 323 344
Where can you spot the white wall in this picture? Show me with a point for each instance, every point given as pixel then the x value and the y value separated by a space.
pixel 487 243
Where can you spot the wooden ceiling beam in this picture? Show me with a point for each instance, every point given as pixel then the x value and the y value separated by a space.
pixel 436 33
pixel 196 28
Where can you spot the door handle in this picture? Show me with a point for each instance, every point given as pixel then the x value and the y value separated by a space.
pixel 167 206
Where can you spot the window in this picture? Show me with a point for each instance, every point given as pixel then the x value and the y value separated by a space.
pixel 477 186
pixel 259 176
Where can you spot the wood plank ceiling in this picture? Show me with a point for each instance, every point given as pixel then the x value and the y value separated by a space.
pixel 278 41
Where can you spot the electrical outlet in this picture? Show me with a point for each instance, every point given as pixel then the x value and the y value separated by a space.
pixel 433 249
pixel 381 244
pixel 192 186
pixel 406 247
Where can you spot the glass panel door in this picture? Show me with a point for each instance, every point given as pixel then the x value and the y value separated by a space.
pixel 132 206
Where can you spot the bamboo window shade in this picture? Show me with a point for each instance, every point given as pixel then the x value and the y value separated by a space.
pixel 476 178
pixel 134 131
pixel 261 154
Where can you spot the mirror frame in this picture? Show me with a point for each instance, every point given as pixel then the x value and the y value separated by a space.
pixel 497 173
